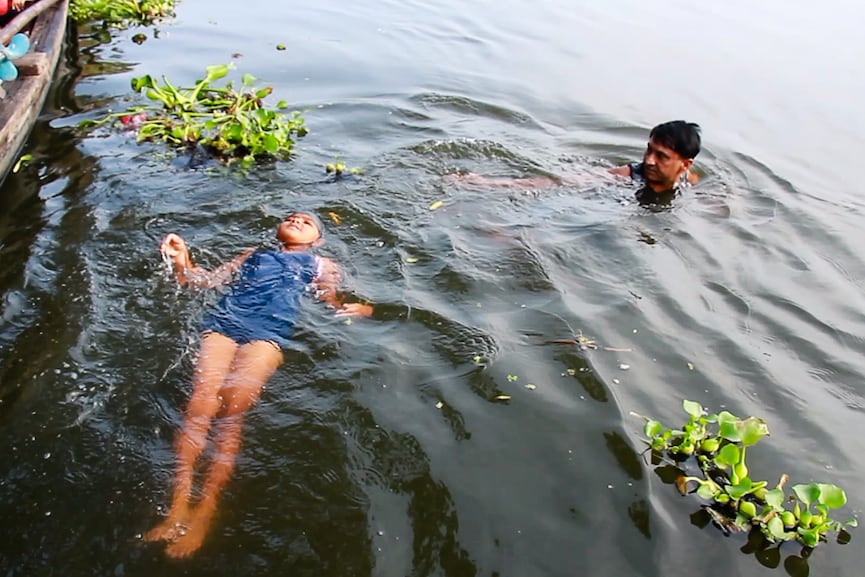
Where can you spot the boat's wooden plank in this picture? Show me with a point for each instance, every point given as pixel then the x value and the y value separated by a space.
pixel 34 64
pixel 51 39
pixel 25 17
pixel 26 95
pixel 48 33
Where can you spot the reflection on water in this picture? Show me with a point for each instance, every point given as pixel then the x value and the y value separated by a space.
pixel 411 444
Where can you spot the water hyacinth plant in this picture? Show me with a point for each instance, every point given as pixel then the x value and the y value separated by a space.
pixel 230 124
pixel 338 168
pixel 719 443
pixel 120 12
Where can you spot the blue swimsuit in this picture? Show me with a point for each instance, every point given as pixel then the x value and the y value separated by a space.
pixel 262 304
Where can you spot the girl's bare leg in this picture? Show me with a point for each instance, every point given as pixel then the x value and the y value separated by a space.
pixel 254 364
pixel 213 365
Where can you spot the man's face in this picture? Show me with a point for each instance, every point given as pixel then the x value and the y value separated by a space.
pixel 662 166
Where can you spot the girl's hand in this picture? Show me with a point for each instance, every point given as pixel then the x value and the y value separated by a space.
pixel 173 246
pixel 18 5
pixel 354 310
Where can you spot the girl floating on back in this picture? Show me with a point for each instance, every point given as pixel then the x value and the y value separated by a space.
pixel 241 347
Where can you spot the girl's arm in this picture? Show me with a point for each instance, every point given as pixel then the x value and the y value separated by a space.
pixel 190 274
pixel 328 290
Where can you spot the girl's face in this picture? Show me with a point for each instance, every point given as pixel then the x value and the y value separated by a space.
pixel 298 228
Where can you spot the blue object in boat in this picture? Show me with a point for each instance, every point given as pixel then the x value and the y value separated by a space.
pixel 8 70
pixel 18 47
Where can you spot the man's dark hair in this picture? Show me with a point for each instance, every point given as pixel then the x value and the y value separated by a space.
pixel 681 136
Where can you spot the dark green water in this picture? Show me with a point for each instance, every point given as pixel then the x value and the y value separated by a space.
pixel 746 294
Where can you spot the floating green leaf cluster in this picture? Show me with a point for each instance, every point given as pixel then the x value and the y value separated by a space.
pixel 338 168
pixel 230 124
pixel 719 443
pixel 120 11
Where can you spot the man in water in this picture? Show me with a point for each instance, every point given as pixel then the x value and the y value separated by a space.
pixel 666 166
pixel 664 171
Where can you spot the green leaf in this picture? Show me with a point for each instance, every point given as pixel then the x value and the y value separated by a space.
pixel 775 499
pixel 740 490
pixel 710 445
pixel 282 105
pixel 729 432
pixel 232 131
pixel 686 447
pixel 727 456
pixel 747 431
pixel 707 491
pixel 145 81
pixel 741 522
pixel 730 429
pixel 695 432
pixel 693 408
pixel 808 494
pixel 271 144
pixel 832 496
pixel 248 79
pixel 216 71
pixel 264 117
pixel 753 429
pixel 805 517
pixel 652 428
pixel 726 416
pixel 776 528
pixel 22 162
pixel 809 537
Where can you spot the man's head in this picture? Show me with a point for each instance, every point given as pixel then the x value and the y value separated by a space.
pixel 670 152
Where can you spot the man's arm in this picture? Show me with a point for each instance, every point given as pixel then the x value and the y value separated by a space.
pixel 525 182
